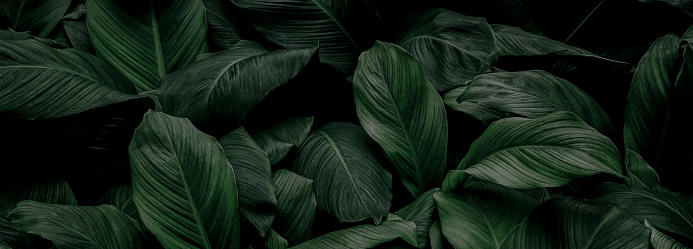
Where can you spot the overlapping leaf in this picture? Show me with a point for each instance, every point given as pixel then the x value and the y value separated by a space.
pixel 147 39
pixel 278 140
pixel 422 212
pixel 365 236
pixel 350 183
pixel 296 206
pixel 37 16
pixel 660 240
pixel 454 179
pixel 221 28
pixel 183 185
pixel 275 241
pixel 121 198
pixel 78 34
pixel 403 112
pixel 639 172
pixel 475 110
pixel 544 152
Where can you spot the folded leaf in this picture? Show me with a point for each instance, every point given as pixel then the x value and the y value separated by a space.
pixel 639 172
pixel 121 198
pixel 275 241
pixel 226 86
pixel 454 179
pixel 475 110
pixel 544 152
pixel 147 39
pixel 296 205
pixel 221 28
pixel 566 223
pixel 278 140
pixel 256 194
pixel 436 235
pixel 78 227
pixel 422 212
pixel 183 185
pixel 483 216
pixel 660 240
pixel 78 35
pixel 350 183
pixel 365 236
pixel 402 111
pixel 535 94
pixel 37 16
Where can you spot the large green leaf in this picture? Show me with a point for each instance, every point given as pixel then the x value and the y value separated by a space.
pixel 183 185
pixel 296 206
pixel 566 223
pixel 639 172
pixel 350 183
pixel 475 110
pixel 256 194
pixel 365 236
pixel 454 179
pixel 121 198
pixel 40 82
pixel 227 85
pixel 342 27
pixel 221 28
pixel 278 140
pixel 73 227
pixel 659 103
pixel 535 94
pixel 403 112
pixel 422 212
pixel 660 240
pixel 147 39
pixel 483 216
pixel 667 212
pixel 452 48
pixel 545 152
pixel 37 16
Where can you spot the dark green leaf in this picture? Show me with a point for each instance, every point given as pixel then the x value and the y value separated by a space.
pixel 275 241
pixel 688 35
pixel 226 86
pixel 454 179
pixel 147 39
pixel 436 235
pixel 256 194
pixel 296 205
pixel 403 112
pixel 660 240
pixel 350 183
pixel 639 172
pixel 37 16
pixel 475 110
pixel 183 185
pixel 483 216
pixel 221 28
pixel 544 152
pixel 78 34
pixel 278 140
pixel 154 95
pixel 365 236
pixel 566 223
pixel 422 212
pixel 121 198
pixel 535 94
pixel 78 227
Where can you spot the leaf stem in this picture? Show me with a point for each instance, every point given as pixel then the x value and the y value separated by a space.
pixel 583 21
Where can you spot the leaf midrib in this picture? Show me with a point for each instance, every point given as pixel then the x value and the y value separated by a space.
pixel 339 24
pixel 157 42
pixel 343 162
pixel 53 68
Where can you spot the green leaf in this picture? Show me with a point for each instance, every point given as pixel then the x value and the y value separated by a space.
pixel 183 185
pixel 296 205
pixel 483 216
pixel 683 5
pixel 147 39
pixel 37 16
pixel 422 212
pixel 658 104
pixel 278 140
pixel 78 227
pixel 535 94
pixel 221 28
pixel 350 183
pixel 275 241
pixel 78 34
pixel 688 35
pixel 154 95
pixel 566 223
pixel 660 240
pixel 341 27
pixel 121 198
pixel 639 172
pixel 452 48
pixel 256 194
pixel 403 112
pixel 485 115
pixel 365 236
pixel 435 233
pixel 667 212
pixel 454 179
pixel 545 152
pixel 226 86
pixel 39 82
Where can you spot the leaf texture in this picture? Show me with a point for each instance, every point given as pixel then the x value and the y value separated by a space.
pixel 660 240
pixel 639 172
pixel 282 137
pixel 422 212
pixel 296 206
pixel 37 16
pixel 365 236
pixel 121 198
pixel 477 111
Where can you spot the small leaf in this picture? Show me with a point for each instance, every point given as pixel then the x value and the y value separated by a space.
pixel 365 236
pixel 660 240
pixel 422 212
pixel 639 172
pixel 78 34
pixel 436 235
pixel 121 198
pixel 278 140
pixel 296 205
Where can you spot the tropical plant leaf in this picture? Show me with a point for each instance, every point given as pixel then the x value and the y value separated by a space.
pixel 566 223
pixel 350 183
pixel 121 198
pixel 535 94
pixel 275 241
pixel 683 5
pixel 226 86
pixel 154 95
pixel 8 35
pixel 454 179
pixel 71 81
pixel 78 35
pixel 37 16
pixel 483 114
pixel 77 9
pixel 296 206
pixel 342 27
pixel 639 172
pixel 221 28
pixel 422 212
pixel 147 39
pixel 545 152
pixel 183 185
pixel 667 212
pixel 452 48
pixel 278 140
pixel 660 240
pixel 657 107
pixel 256 194
pixel 365 236
pixel 483 216
pixel 402 111
pixel 435 233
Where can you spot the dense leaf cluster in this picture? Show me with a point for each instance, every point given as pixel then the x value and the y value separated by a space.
pixel 342 124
